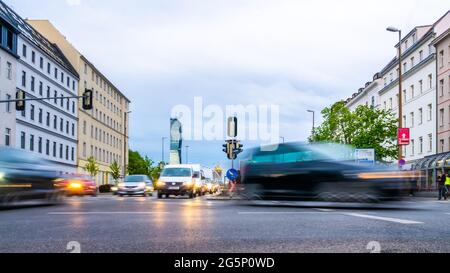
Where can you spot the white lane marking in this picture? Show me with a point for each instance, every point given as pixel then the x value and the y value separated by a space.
pixel 105 212
pixel 325 210
pixel 394 220
pixel 278 212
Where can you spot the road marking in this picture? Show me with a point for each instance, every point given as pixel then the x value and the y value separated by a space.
pixel 325 210
pixel 278 212
pixel 394 220
pixel 106 212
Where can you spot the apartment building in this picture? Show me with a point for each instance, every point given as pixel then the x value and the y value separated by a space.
pixel 8 68
pixel 102 132
pixel 45 127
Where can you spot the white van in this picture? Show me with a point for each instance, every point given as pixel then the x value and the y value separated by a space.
pixel 179 180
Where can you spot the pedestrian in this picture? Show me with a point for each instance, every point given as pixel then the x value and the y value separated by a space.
pixel 441 185
pixel 446 186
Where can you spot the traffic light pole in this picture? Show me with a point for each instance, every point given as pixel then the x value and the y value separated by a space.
pixel 35 99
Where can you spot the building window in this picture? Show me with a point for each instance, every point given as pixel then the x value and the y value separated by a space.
pixel 412 62
pixel 430 142
pixel 56 73
pixel 441 117
pixel 67 152
pixel 32 112
pixel 430 112
pixel 441 145
pixel 412 119
pixel 33 56
pixel 61 125
pixel 32 83
pixel 420 116
pixel 72 154
pixel 54 149
pixel 9 71
pixel 40 115
pixel 40 145
pixel 41 88
pixel 8 104
pixel 412 147
pixel 430 81
pixel 47 147
pixel 84 127
pixel 67 127
pixel 420 55
pixel 22 140
pixel 441 87
pixel 55 122
pixel 31 142
pixel 41 63
pixel 412 91
pixel 420 145
pixel 7 137
pixel 48 120
pixel 73 129
pixel 24 51
pixel 24 79
pixel 61 151
pixel 441 59
pixel 84 149
pixel 421 86
pixel 48 68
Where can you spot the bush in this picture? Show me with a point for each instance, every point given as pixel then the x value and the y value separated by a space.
pixel 105 188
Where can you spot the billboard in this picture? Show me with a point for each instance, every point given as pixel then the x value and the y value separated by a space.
pixel 366 156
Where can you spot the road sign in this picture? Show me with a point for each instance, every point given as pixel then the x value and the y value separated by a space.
pixel 402 162
pixel 403 136
pixel 366 156
pixel 232 174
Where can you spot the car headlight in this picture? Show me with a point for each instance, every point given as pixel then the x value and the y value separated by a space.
pixel 2 176
pixel 189 184
pixel 160 183
pixel 142 185
pixel 121 185
pixel 387 175
pixel 114 189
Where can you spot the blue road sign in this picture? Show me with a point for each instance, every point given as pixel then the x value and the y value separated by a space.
pixel 232 174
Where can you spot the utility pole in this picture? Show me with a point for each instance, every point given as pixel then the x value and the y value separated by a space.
pixel 126 114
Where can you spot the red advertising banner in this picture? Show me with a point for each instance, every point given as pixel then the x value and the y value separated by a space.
pixel 403 136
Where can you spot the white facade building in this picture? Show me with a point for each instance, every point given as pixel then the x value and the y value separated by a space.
pixel 46 127
pixel 418 92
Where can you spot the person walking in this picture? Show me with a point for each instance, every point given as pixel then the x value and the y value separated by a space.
pixel 441 185
pixel 446 186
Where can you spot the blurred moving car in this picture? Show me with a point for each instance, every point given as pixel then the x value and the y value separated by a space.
pixel 78 185
pixel 212 187
pixel 178 180
pixel 26 179
pixel 136 185
pixel 320 172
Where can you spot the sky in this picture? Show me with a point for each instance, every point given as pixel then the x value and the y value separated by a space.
pixel 296 55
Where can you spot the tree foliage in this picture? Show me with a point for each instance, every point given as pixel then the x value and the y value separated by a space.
pixel 91 166
pixel 115 170
pixel 366 127
pixel 143 165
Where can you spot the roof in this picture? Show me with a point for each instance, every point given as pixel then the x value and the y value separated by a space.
pixel 104 77
pixel 36 38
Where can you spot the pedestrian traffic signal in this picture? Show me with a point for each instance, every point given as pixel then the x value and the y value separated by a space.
pixel 87 100
pixel 20 100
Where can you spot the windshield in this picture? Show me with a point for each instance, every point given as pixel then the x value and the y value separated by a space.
pixel 177 172
pixel 135 178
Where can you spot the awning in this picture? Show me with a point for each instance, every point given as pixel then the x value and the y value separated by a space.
pixel 434 162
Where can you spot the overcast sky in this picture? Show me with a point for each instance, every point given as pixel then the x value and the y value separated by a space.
pixel 296 54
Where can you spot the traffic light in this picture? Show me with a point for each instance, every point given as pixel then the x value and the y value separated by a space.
pixel 20 103
pixel 238 148
pixel 87 100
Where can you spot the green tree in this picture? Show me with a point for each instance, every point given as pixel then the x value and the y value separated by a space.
pixel 156 171
pixel 137 164
pixel 91 166
pixel 366 127
pixel 115 170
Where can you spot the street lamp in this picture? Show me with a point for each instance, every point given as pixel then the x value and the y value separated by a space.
pixel 314 120
pixel 400 78
pixel 163 139
pixel 125 136
pixel 187 154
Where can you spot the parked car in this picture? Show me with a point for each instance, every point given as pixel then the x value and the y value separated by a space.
pixel 27 179
pixel 136 185
pixel 323 172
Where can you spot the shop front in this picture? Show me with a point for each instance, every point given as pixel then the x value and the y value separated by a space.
pixel 431 168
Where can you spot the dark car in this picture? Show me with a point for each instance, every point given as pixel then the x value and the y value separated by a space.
pixel 26 179
pixel 78 185
pixel 319 172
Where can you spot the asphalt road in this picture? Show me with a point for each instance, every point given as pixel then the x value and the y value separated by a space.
pixel 136 224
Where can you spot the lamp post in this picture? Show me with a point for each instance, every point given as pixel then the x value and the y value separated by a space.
pixel 400 78
pixel 163 139
pixel 126 114
pixel 314 120
pixel 187 154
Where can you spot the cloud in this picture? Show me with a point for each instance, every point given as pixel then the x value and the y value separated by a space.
pixel 73 2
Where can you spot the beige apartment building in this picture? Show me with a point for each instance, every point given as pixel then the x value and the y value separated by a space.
pixel 103 131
